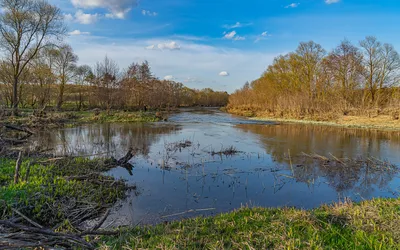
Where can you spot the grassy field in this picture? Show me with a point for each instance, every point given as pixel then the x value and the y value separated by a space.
pixel 368 225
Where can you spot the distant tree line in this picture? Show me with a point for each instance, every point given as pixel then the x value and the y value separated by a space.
pixel 38 70
pixel 311 82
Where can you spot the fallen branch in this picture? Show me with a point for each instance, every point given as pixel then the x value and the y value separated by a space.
pixel 189 211
pixel 21 129
pixel 26 218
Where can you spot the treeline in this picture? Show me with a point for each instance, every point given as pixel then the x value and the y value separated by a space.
pixel 313 83
pixel 38 70
pixel 53 79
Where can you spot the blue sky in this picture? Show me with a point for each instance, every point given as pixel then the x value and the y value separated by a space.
pixel 219 43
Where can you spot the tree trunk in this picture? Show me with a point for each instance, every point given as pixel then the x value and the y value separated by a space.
pixel 61 96
pixel 15 97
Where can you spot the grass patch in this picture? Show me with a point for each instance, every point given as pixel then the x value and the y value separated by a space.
pixel 366 225
pixel 105 117
pixel 56 193
pixel 69 119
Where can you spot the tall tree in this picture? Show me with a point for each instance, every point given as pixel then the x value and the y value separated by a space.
pixel 310 56
pixel 82 76
pixel 106 78
pixel 344 68
pixel 65 66
pixel 372 50
pixel 27 26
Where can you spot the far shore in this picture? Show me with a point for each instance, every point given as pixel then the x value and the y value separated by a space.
pixel 382 122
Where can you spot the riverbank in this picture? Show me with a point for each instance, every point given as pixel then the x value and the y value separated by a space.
pixel 366 225
pixel 380 122
pixel 56 119
pixel 49 202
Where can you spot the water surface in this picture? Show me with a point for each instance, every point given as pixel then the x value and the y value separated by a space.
pixel 178 173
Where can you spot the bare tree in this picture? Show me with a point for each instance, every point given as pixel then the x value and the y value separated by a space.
pixel 344 67
pixel 82 77
pixel 65 67
pixel 27 26
pixel 106 79
pixel 310 55
pixel 372 50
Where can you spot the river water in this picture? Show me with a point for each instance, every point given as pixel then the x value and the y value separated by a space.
pixel 179 170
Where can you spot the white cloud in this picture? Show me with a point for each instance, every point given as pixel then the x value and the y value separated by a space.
pixel 85 18
pixel 149 13
pixel 118 14
pixel 118 8
pixel 196 60
pixel 169 77
pixel 295 5
pixel 223 73
pixel 236 25
pixel 170 46
pixel 331 1
pixel 263 36
pixel 78 33
pixel 230 35
pixel 164 46
pixel 239 38
pixel 233 36
pixel 68 17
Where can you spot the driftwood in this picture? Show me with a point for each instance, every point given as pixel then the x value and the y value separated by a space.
pixel 21 236
pixel 13 141
pixel 124 161
pixel 17 236
pixel 20 129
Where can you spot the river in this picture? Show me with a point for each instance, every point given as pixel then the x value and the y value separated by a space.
pixel 179 170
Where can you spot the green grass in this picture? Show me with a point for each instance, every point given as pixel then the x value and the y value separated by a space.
pixel 73 118
pixel 368 225
pixel 120 116
pixel 50 197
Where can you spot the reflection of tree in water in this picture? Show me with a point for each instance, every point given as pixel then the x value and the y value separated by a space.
pixel 111 139
pixel 362 176
pixel 278 140
pixel 357 175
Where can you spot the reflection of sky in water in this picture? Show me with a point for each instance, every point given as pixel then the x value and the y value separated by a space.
pixel 261 175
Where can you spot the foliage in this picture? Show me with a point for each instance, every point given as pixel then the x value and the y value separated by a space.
pixel 309 83
pixel 52 192
pixel 368 225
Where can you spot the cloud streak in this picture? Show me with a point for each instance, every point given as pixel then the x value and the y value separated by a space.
pixel 331 1
pixel 295 5
pixel 78 33
pixel 236 25
pixel 233 36
pixel 117 8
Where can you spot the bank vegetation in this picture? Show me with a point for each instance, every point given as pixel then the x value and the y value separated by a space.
pixel 310 83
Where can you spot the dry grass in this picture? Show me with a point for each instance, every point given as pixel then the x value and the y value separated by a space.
pixel 382 122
